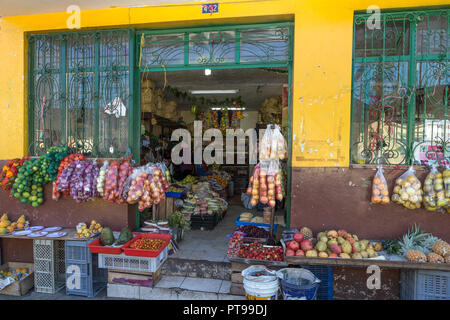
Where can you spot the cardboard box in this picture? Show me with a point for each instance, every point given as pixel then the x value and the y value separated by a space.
pixel 21 287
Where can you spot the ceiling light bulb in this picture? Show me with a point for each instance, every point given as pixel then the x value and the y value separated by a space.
pixel 207 72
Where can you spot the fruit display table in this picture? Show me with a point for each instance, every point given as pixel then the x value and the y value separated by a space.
pixel 367 262
pixel 49 259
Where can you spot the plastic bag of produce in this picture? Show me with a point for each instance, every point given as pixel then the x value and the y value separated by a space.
pixel 430 195
pixel 273 177
pixel 263 187
pixel 101 178
pixel 279 145
pixel 446 176
pixel 246 200
pixel 380 193
pixel 407 190
pixel 265 144
pixel 111 182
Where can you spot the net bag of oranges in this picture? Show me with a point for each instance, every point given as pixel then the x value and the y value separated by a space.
pixel 380 193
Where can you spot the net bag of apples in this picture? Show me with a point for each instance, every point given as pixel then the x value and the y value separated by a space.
pixel 380 193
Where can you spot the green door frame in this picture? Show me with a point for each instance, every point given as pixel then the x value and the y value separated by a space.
pixel 137 90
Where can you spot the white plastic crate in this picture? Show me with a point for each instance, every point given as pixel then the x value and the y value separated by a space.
pixel 424 285
pixel 49 266
pixel 129 263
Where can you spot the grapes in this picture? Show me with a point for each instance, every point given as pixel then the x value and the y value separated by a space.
pixel 254 232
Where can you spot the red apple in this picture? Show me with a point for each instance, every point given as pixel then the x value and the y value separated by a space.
pixel 293 245
pixel 306 245
pixel 300 253
pixel 290 253
pixel 298 237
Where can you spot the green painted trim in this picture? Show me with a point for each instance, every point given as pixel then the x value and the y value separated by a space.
pixel 96 93
pixel 186 49
pixel 227 27
pixel 222 66
pixel 30 100
pixel 237 47
pixel 290 115
pixel 412 102
pixel 62 81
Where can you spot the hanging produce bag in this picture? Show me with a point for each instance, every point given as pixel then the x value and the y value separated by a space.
pixel 380 193
pixel 446 176
pixel 407 190
pixel 265 144
pixel 430 188
pixel 101 178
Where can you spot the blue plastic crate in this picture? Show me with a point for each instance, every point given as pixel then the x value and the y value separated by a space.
pixel 92 278
pixel 265 225
pixel 325 274
pixel 175 194
pixel 77 251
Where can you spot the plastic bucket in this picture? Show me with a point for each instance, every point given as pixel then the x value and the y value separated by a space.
pixel 260 283
pixel 298 284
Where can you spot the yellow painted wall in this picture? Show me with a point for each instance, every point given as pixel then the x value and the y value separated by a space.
pixel 322 63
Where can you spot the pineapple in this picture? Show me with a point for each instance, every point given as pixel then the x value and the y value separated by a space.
pixel 442 248
pixel 416 256
pixel 415 239
pixel 435 258
pixel 307 233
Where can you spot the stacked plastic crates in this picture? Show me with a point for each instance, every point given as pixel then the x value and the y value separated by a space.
pixel 83 275
pixel 49 268
pixel 424 285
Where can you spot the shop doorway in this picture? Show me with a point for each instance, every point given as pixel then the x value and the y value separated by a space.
pixel 247 98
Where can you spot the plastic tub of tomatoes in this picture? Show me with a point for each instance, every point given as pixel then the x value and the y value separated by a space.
pixel 147 245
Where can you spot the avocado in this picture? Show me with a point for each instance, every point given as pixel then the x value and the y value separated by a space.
pixel 125 236
pixel 107 237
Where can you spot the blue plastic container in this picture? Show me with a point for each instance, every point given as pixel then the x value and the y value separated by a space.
pixel 298 284
pixel 325 274
pixel 264 225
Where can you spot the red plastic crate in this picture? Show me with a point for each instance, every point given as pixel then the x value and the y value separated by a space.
pixel 146 252
pixel 96 247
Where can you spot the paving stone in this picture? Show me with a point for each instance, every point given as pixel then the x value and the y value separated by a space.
pixel 123 291
pixel 170 282
pixel 147 293
pixel 225 287
pixel 197 295
pixel 200 284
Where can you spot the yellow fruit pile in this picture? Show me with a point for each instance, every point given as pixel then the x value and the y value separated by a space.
pixel 223 182
pixel 6 225
pixel 85 232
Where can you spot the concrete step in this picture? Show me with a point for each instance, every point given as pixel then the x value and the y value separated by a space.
pixel 176 288
pixel 197 268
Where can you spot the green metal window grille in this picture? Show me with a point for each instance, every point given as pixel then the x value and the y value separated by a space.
pixel 225 46
pixel 400 84
pixel 79 92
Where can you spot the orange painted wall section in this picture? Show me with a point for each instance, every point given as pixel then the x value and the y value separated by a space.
pixel 322 63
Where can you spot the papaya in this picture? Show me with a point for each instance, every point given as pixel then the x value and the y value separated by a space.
pixel 106 237
pixel 3 231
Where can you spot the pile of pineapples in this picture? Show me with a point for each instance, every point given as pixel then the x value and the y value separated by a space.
pixel 419 246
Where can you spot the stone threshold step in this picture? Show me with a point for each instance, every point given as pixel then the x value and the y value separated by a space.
pixel 145 293
pixel 197 268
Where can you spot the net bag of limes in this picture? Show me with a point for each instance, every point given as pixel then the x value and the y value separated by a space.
pixel 298 284
pixel 434 192
pixel 407 190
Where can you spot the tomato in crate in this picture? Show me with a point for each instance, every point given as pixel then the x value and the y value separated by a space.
pixel 147 245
